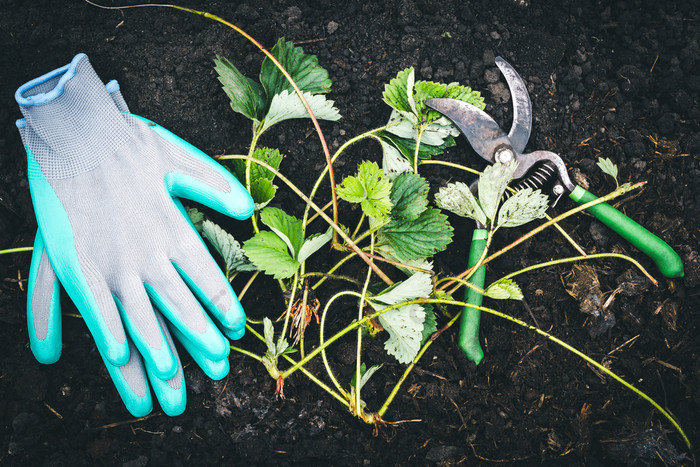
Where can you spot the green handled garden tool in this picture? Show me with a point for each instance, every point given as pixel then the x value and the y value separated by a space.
pixel 539 169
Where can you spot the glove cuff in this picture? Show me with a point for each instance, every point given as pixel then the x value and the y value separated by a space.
pixel 71 124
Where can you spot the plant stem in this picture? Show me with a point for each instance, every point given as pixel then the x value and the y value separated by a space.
pixel 247 353
pixel 290 305
pixel 247 285
pixel 332 276
pixel 248 164
pixel 601 368
pixel 320 383
pixel 325 217
pixel 419 136
pixel 491 311
pixel 450 164
pixel 358 356
pixel 410 367
pixel 304 301
pixel 461 281
pixel 326 170
pixel 399 264
pixel 312 218
pixel 333 269
pixel 16 250
pixel 359 224
pixel 322 332
pixel 580 258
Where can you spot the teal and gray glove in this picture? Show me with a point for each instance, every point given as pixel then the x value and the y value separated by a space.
pixel 105 186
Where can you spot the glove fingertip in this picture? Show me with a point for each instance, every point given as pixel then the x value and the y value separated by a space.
pixel 139 407
pixel 130 381
pixel 43 307
pixel 235 333
pixel 233 321
pixel 215 369
pixel 172 398
pixel 115 354
pixel 46 352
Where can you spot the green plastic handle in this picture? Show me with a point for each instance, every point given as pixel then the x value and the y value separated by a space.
pixel 469 324
pixel 666 259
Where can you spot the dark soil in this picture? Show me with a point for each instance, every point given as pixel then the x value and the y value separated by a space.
pixel 619 80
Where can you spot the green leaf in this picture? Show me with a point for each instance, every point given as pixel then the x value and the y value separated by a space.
pixel 351 190
pixel 608 167
pixel 287 227
pixel 405 328
pixel 492 185
pixel 411 117
pixel 504 289
pixel 313 243
pixel 407 146
pixel 247 96
pixel 261 187
pixel 287 105
pixel 303 68
pixel 269 334
pixel 405 325
pixel 229 249
pixel 418 238
pixel 393 162
pixel 524 206
pixel 406 95
pixel 418 285
pixel 406 126
pixel 196 217
pixel 428 90
pixel 271 157
pixel 396 93
pixel 458 199
pixel 262 190
pixel 370 188
pixel 409 196
pixel 365 374
pixel 430 323
pixel 269 253
pixel 282 347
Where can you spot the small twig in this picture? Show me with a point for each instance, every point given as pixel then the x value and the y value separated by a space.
pixel 528 353
pixel 459 412
pixel 58 415
pixel 627 342
pixel 527 307
pixel 128 422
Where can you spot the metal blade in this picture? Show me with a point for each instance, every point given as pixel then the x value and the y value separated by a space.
pixel 483 133
pixel 522 109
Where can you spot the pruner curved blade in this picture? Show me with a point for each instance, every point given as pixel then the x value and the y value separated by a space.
pixel 484 134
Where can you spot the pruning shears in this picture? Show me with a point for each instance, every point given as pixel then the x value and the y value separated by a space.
pixel 538 169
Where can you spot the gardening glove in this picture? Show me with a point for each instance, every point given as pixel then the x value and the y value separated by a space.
pixel 102 184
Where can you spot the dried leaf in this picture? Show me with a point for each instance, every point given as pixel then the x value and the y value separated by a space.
pixel 524 206
pixel 458 199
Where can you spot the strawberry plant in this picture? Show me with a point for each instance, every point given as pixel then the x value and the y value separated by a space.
pixel 399 229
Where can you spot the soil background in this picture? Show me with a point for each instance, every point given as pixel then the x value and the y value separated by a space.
pixel 606 79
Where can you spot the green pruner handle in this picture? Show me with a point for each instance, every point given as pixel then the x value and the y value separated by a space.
pixel 666 259
pixel 469 324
